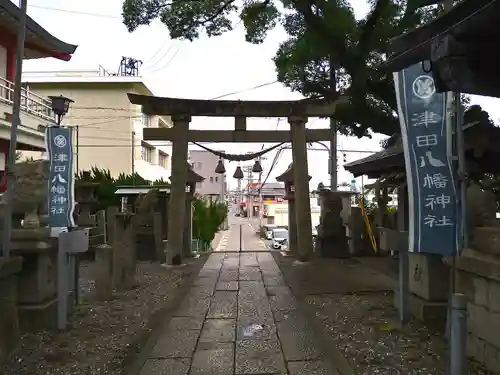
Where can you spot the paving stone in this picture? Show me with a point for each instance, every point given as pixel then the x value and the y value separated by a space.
pixel 250 274
pixel 175 366
pixel 253 309
pixel 209 273
pixel 311 368
pixel 298 345
pixel 223 305
pixel 227 285
pixel 273 280
pixel 259 357
pixel 252 288
pixel 246 330
pixel 181 323
pixel 193 307
pixel 218 330
pixel 279 290
pixel 176 344
pixel 213 359
pixel 229 275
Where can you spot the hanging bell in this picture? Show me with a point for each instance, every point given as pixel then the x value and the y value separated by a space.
pixel 220 169
pixel 238 173
pixel 257 168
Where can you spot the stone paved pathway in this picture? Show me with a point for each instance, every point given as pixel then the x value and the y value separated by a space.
pixel 238 318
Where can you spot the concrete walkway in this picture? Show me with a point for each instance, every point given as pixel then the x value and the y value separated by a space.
pixel 238 318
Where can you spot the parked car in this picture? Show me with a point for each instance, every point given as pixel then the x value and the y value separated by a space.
pixel 266 231
pixel 280 238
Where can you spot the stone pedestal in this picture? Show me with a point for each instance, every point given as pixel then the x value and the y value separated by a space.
pixel 124 251
pixel 429 287
pixel 332 241
pixel 359 241
pixel 9 321
pixel 292 226
pixel 37 281
pixel 104 271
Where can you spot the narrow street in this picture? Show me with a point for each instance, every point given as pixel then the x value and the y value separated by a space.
pixel 238 318
pixel 244 228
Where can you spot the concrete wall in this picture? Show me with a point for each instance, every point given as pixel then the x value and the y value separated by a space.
pixel 204 163
pixel 106 121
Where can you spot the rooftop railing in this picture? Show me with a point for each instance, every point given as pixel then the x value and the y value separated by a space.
pixel 30 102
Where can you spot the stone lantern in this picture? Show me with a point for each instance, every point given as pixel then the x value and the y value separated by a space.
pixel 192 179
pixel 85 194
pixel 288 179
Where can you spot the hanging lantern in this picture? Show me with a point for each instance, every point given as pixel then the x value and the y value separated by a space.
pixel 238 173
pixel 257 168
pixel 220 169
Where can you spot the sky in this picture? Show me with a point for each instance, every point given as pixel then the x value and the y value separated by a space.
pixel 203 69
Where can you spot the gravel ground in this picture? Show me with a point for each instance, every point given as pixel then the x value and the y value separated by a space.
pixel 105 335
pixel 365 329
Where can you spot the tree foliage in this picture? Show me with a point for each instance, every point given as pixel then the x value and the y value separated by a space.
pixel 325 44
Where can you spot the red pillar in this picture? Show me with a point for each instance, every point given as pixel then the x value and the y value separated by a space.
pixel 11 63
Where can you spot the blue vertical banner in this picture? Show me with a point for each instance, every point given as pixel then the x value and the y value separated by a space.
pixel 59 142
pixel 427 144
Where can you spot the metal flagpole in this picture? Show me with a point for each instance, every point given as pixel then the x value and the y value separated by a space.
pixel 16 111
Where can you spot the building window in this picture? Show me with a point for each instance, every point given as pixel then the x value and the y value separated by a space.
pixel 146 120
pixel 211 179
pixel 163 160
pixel 147 153
pixel 216 179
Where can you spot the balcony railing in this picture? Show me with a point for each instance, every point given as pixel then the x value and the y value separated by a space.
pixel 30 102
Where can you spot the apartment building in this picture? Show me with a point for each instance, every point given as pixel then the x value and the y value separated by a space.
pixel 36 110
pixel 108 129
pixel 204 162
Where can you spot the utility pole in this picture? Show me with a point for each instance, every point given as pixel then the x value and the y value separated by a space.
pixel 16 111
pixel 333 128
pixel 133 157
pixel 261 205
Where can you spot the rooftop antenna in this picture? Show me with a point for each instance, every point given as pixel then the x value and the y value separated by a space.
pixel 129 67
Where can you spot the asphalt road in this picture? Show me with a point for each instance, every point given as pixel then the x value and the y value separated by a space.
pixel 242 235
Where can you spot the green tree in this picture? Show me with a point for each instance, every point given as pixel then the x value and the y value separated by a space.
pixel 325 42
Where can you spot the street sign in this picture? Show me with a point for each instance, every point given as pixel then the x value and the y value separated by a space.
pixel 432 185
pixel 61 176
pixel 74 242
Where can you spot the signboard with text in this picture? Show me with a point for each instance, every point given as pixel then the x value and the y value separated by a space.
pixel 432 187
pixel 61 176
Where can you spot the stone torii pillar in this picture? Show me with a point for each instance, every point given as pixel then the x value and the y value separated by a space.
pixel 177 201
pixel 288 178
pixel 301 184
pixel 192 179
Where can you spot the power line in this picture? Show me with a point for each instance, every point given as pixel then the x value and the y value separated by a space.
pixel 101 15
pixel 241 91
pixel 168 62
pixel 161 57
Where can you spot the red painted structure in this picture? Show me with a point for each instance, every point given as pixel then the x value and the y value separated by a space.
pixel 39 43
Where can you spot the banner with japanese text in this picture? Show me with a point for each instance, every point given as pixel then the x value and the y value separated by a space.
pixel 61 176
pixel 427 144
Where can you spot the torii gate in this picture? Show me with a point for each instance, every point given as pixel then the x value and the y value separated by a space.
pixel 181 111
